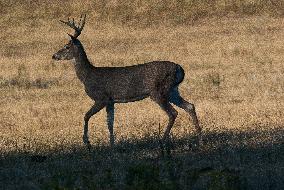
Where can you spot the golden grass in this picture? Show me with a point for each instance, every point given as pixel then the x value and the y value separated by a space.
pixel 234 74
pixel 134 13
pixel 233 69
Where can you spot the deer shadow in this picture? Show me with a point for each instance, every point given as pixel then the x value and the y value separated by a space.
pixel 228 159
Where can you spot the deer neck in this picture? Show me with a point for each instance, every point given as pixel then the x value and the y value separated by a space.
pixel 83 67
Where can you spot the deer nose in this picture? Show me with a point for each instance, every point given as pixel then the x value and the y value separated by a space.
pixel 54 57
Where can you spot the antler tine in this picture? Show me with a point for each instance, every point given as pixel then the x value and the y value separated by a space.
pixel 83 21
pixel 69 23
pixel 80 20
pixel 80 23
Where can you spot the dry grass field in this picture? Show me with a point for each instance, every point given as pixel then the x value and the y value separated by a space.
pixel 233 58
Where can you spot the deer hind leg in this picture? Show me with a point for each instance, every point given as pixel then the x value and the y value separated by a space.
pixel 110 121
pixel 94 109
pixel 177 100
pixel 171 112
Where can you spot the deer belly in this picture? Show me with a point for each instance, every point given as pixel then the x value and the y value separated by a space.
pixel 129 99
pixel 123 95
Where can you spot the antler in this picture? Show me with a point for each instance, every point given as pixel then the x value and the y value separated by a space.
pixel 79 28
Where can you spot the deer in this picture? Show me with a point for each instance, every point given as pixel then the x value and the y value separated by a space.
pixel 106 86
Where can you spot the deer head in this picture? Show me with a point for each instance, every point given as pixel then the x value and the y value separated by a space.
pixel 69 50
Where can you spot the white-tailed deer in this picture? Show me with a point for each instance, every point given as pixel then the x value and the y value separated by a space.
pixel 158 80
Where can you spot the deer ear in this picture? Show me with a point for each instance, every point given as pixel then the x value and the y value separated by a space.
pixel 72 37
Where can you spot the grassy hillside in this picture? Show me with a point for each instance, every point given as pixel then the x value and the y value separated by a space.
pixel 137 12
pixel 234 75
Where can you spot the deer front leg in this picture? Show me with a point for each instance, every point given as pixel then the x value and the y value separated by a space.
pixel 110 121
pixel 94 109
